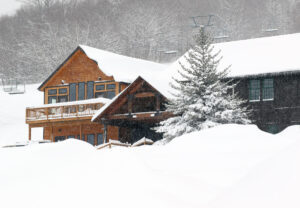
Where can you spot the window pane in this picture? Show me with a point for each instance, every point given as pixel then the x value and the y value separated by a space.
pixel 110 86
pixel 52 99
pixel 100 87
pixel 99 139
pixel 90 90
pixel 72 92
pixel 62 99
pixel 62 91
pixel 268 89
pixel 254 90
pixel 59 138
pixel 81 91
pixel 71 137
pixel 83 137
pixel 110 94
pixel 99 94
pixel 52 92
pixel 91 139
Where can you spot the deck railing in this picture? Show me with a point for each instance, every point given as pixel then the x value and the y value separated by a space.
pixel 60 112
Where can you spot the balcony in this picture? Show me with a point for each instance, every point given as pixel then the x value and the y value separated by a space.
pixel 77 110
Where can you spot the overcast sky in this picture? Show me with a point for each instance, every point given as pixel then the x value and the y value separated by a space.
pixel 8 6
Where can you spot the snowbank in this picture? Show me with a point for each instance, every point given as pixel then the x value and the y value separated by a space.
pixel 227 166
pixel 12 115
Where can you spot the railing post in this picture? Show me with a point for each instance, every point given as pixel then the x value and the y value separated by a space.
pixel 47 112
pixel 62 110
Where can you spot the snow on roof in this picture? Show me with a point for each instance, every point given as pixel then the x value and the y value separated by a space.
pixel 107 105
pixel 259 56
pixel 80 102
pixel 127 69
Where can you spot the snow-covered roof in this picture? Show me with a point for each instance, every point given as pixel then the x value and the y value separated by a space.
pixel 268 55
pixel 79 102
pixel 127 69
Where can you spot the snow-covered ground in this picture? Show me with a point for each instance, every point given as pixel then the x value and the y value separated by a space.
pixel 227 166
pixel 12 115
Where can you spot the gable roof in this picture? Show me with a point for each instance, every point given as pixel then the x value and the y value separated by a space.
pixel 116 100
pixel 260 56
pixel 123 68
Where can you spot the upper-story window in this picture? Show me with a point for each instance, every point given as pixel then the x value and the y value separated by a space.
pixel 106 90
pixel 254 90
pixel 268 89
pixel 57 95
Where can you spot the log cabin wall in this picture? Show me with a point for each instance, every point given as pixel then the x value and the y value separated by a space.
pixel 274 115
pixel 80 69
pixel 73 130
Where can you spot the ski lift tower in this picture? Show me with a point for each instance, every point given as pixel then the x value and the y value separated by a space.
pixel 220 33
pixel 13 85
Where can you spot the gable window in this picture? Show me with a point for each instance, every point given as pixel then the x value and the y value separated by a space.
pixel 90 90
pixel 111 86
pixel 52 92
pixel 254 90
pixel 63 91
pixel 52 99
pixel 268 89
pixel 100 87
pixel 81 91
pixel 72 92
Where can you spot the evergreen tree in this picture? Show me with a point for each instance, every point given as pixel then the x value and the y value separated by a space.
pixel 202 99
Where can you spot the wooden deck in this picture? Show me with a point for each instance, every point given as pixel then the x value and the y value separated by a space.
pixel 61 113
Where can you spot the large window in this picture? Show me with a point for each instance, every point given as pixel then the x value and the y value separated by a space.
pixel 268 89
pixel 52 99
pixel 90 90
pixel 72 92
pixel 81 91
pixel 254 90
pixel 91 139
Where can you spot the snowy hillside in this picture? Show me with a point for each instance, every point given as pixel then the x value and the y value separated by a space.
pixel 227 166
pixel 12 115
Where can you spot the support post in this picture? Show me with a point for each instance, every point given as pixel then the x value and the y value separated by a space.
pixel 80 132
pixel 130 98
pixel 29 132
pixel 51 133
pixel 157 103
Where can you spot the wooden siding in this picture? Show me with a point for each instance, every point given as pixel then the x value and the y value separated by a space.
pixel 73 129
pixel 283 111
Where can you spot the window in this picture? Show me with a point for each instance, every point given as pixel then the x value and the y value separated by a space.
pixel 83 137
pixel 268 89
pixel 59 138
pixel 72 92
pixel 254 90
pixel 52 92
pixel 71 137
pixel 99 139
pixel 90 90
pixel 81 91
pixel 110 94
pixel 91 139
pixel 100 87
pixel 52 99
pixel 62 99
pixel 62 90
pixel 111 86
pixel 99 94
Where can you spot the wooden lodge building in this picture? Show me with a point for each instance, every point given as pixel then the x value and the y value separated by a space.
pixel 84 98
pixel 96 95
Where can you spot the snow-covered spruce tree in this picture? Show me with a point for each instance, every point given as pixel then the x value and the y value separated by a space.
pixel 201 93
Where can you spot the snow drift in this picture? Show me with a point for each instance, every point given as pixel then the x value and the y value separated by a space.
pixel 226 166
